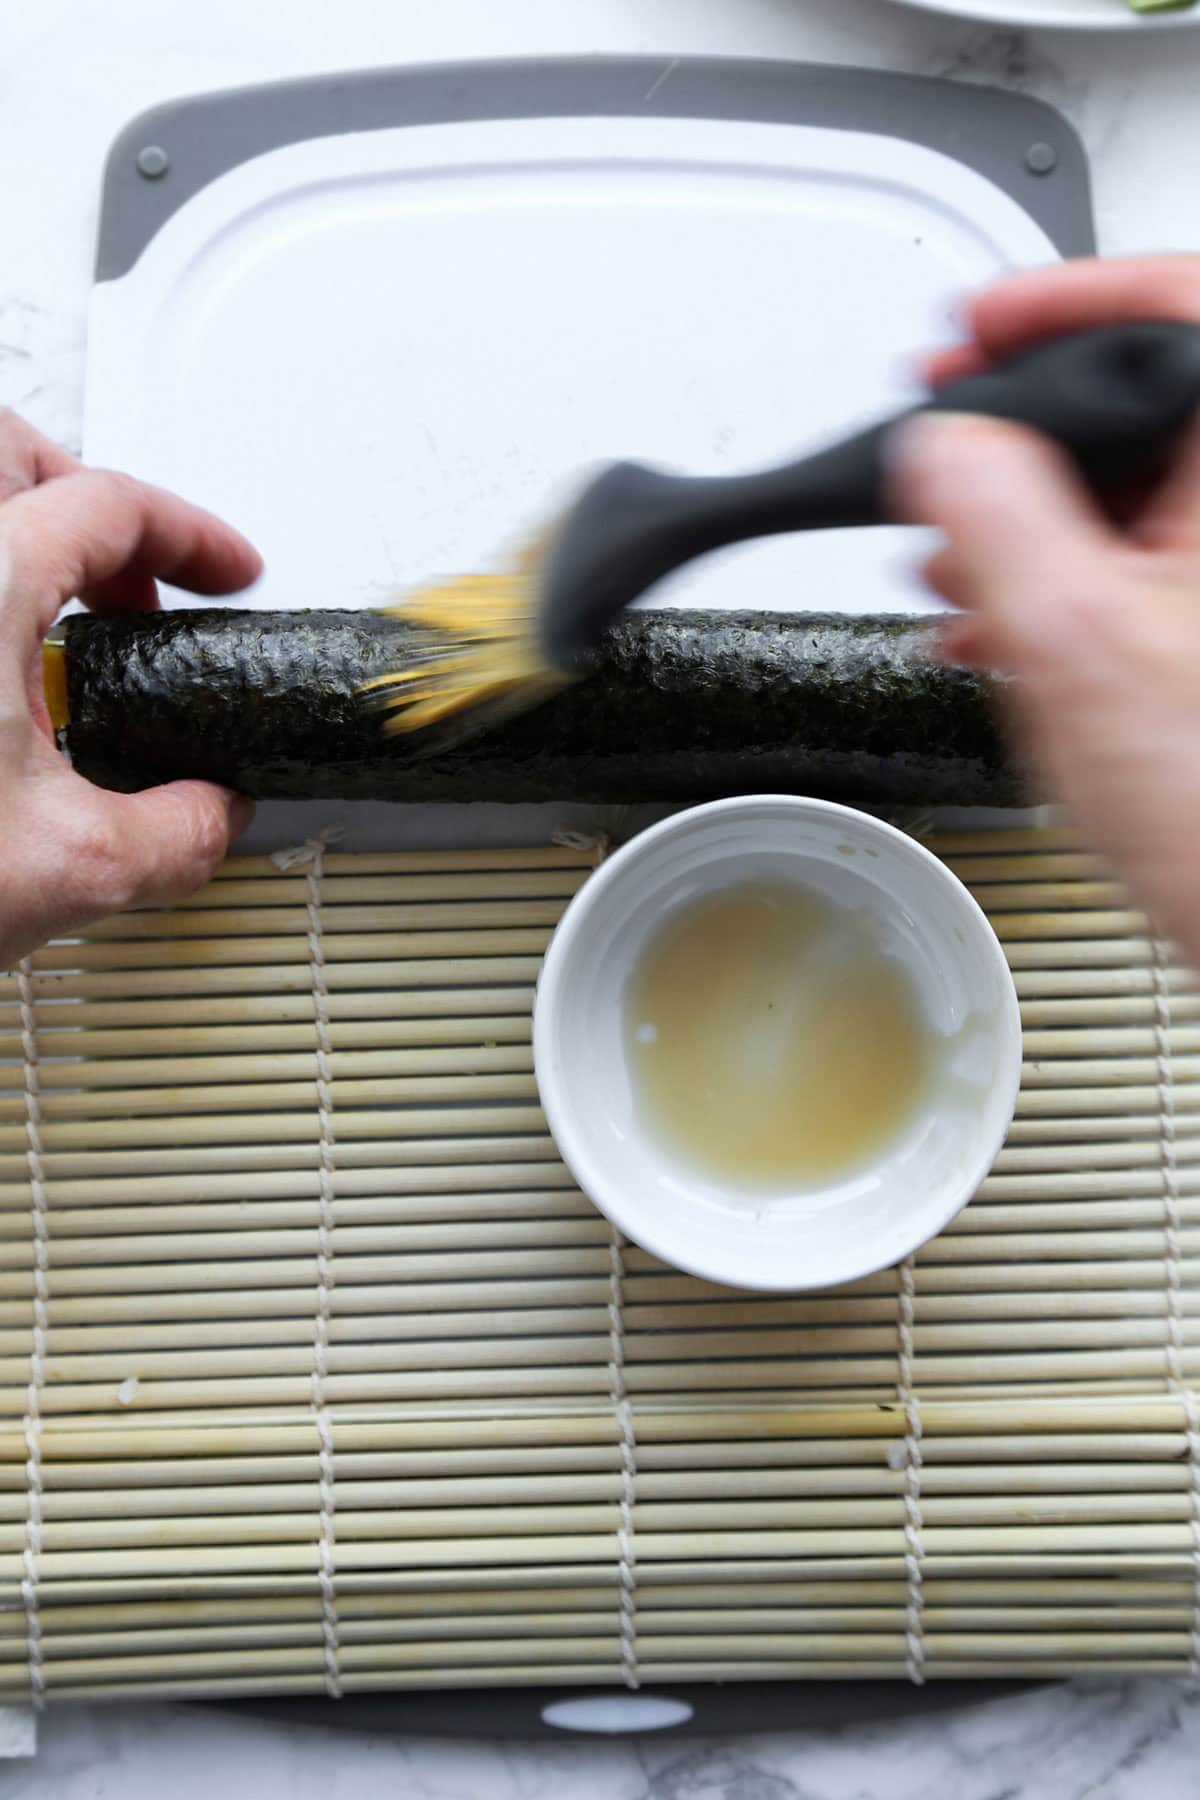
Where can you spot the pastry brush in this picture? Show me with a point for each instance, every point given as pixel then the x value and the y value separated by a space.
pixel 1113 398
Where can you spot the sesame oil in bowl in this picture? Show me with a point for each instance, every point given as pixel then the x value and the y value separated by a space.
pixel 773 1039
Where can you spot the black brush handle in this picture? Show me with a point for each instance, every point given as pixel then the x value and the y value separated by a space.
pixel 1114 398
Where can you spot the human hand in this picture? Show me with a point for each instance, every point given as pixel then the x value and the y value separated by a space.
pixel 1098 622
pixel 74 852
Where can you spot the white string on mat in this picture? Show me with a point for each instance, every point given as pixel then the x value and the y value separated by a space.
pixel 1173 1262
pixel 599 845
pixel 310 856
pixel 1168 1158
pixel 623 1412
pixel 31 1557
pixel 914 1555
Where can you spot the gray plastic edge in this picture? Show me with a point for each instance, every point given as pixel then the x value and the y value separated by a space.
pixel 988 129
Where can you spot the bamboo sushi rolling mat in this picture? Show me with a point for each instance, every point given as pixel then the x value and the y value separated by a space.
pixel 318 1373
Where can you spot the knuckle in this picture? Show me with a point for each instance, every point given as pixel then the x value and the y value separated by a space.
pixel 194 849
pixel 101 872
pixel 17 454
pixel 114 484
pixel 13 428
pixel 210 834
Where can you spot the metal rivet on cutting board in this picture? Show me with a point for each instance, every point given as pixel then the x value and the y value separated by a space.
pixel 153 161
pixel 1040 159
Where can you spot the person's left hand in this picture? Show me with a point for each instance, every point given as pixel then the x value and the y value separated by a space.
pixel 73 852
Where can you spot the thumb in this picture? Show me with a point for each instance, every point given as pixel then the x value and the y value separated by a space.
pixel 1016 515
pixel 169 840
pixel 77 853
pixel 121 850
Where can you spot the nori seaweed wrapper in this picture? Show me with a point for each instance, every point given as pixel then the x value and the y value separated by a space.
pixel 681 706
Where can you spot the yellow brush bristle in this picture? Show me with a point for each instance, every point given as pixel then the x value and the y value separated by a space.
pixel 484 652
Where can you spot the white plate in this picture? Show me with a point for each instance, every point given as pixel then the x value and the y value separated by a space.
pixel 1059 15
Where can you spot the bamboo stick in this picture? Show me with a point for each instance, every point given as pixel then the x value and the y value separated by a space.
pixel 131 934
pixel 293 1324
pixel 371 1316
pixel 382 1240
pixel 220 1098
pixel 1136 978
pixel 679 1654
pixel 570 1674
pixel 1040 891
pixel 75 1038
pixel 1103 1071
pixel 446 1370
pixel 226 1202
pixel 1061 1287
pixel 981 1630
pixel 1086 1185
pixel 511 1339
pixel 1093 1128
pixel 461 937
pixel 1102 1009
pixel 661 1421
pixel 462 1153
pixel 1142 1145
pixel 967 1462
pixel 173 1071
pixel 1041 1580
pixel 520 1192
pixel 289 1272
pixel 1044 838
pixel 498 985
pixel 983 1605
pixel 1103 1539
pixel 1082 1041
pixel 1099 1102
pixel 414 862
pixel 1040 865
pixel 477 879
pixel 352 976
pixel 1132 949
pixel 1083 1212
pixel 98 1646
pixel 1001 1492
pixel 361 1124
pixel 751 1584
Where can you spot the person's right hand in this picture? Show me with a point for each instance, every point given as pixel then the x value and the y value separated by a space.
pixel 1100 624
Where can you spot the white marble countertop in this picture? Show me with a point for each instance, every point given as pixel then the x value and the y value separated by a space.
pixel 70 76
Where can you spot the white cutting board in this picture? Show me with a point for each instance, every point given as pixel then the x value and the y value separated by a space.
pixel 390 355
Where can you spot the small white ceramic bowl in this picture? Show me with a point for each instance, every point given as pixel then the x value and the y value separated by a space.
pixel 806 1238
